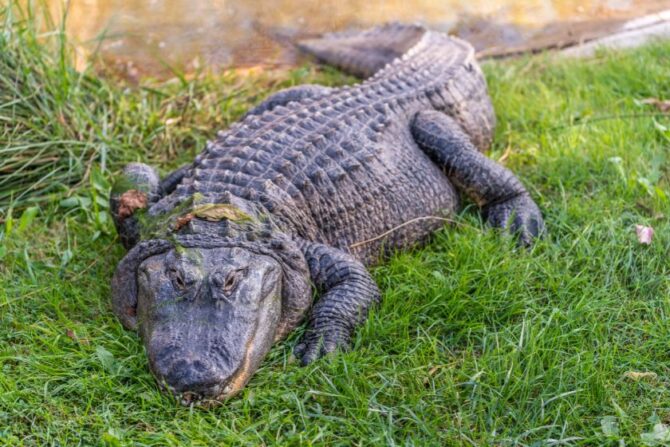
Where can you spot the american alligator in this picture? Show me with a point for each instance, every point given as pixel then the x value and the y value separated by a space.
pixel 308 189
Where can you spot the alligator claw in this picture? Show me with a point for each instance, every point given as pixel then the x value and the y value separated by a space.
pixel 519 216
pixel 316 344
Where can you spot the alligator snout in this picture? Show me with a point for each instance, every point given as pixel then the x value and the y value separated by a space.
pixel 193 380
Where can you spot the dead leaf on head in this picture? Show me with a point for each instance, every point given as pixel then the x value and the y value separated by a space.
pixel 182 221
pixel 130 201
pixel 220 211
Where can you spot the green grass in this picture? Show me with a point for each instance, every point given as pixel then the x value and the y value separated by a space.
pixel 476 342
pixel 57 123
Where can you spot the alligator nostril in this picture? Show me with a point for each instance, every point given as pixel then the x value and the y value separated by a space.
pixel 194 377
pixel 165 354
pixel 177 374
pixel 199 366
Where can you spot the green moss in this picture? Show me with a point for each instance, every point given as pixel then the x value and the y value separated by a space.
pixel 162 226
pixel 165 225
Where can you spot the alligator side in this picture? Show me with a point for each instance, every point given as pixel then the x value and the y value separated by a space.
pixel 308 189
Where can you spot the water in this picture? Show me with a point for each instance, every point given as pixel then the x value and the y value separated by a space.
pixel 146 35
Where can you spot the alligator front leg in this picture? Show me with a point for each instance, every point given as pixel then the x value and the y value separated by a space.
pixel 283 97
pixel 504 201
pixel 347 292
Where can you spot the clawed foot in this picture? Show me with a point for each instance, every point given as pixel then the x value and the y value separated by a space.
pixel 316 343
pixel 520 216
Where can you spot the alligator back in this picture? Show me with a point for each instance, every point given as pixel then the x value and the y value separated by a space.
pixel 413 53
pixel 342 168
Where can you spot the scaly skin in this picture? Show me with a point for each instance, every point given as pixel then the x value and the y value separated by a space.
pixel 327 181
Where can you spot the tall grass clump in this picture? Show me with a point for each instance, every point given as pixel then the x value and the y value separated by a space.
pixel 58 122
pixel 53 119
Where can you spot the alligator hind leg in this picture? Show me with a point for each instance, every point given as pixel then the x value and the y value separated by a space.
pixel 504 201
pixel 283 97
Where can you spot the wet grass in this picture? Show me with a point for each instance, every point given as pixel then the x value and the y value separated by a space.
pixel 476 342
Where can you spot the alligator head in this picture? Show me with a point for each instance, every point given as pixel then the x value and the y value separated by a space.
pixel 208 309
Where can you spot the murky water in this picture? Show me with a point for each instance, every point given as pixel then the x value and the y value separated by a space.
pixel 144 35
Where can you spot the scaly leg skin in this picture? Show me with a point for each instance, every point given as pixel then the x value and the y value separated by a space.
pixel 283 97
pixel 347 292
pixel 504 201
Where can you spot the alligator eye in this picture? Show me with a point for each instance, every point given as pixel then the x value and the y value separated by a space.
pixel 229 282
pixel 177 278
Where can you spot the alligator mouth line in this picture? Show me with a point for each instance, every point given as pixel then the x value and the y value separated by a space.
pixel 232 386
pixel 195 398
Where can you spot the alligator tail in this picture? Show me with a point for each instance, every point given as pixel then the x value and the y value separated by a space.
pixel 363 53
